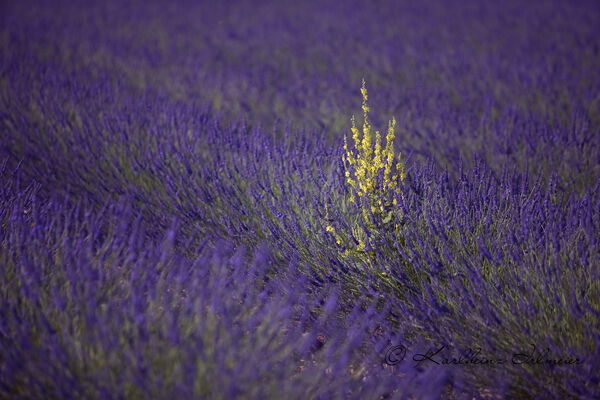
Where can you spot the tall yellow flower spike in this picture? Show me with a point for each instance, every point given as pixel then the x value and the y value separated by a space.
pixel 371 172
pixel 363 164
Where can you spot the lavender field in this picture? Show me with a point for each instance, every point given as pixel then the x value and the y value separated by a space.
pixel 300 199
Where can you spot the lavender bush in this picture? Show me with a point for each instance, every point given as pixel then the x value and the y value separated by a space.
pixel 176 219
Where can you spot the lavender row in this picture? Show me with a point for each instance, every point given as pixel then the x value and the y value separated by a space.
pixel 514 83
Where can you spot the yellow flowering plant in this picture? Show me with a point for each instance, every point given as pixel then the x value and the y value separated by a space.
pixel 373 175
